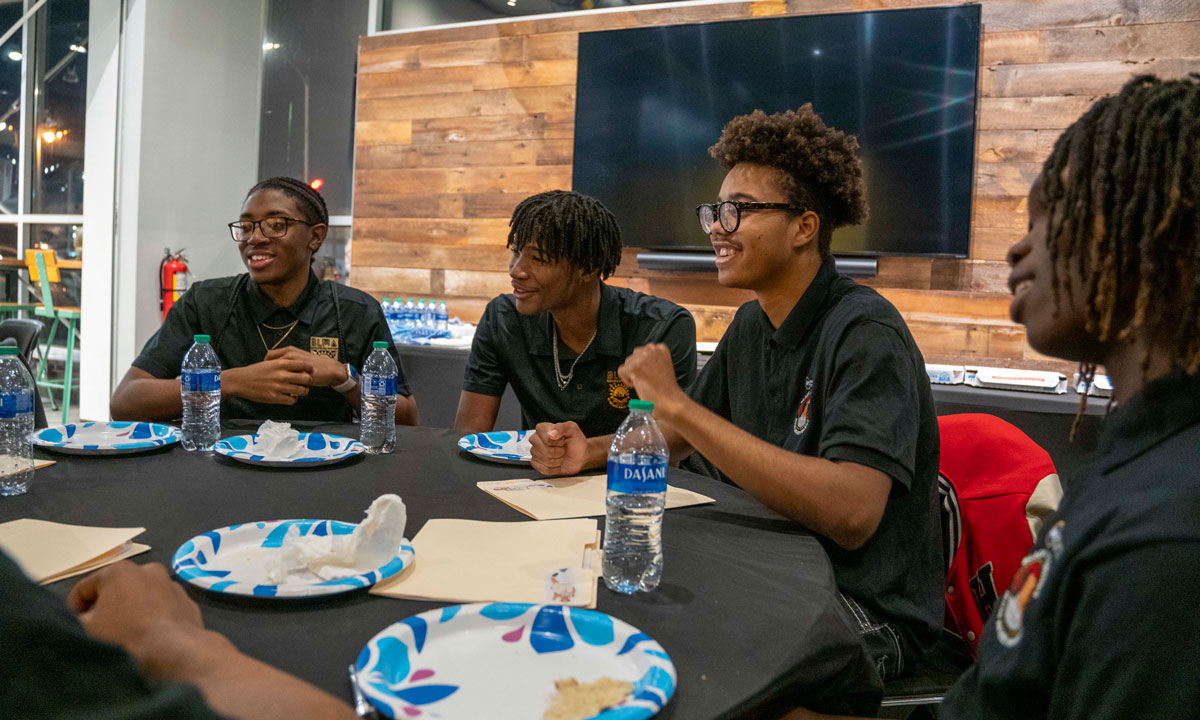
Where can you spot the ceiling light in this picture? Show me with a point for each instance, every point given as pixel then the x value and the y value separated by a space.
pixel 48 136
pixel 270 46
pixel 15 55
pixel 79 49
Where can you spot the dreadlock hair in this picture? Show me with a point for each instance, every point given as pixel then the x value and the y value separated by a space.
pixel 1122 192
pixel 820 165
pixel 309 201
pixel 568 226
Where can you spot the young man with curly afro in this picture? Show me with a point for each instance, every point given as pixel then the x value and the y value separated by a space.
pixel 816 401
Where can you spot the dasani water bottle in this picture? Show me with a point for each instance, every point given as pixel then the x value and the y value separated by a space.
pixel 16 423
pixel 377 424
pixel 637 495
pixel 200 386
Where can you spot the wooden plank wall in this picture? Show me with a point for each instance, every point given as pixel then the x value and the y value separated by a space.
pixel 456 125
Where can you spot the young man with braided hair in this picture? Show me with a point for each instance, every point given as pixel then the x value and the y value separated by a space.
pixel 1100 621
pixel 816 401
pixel 290 346
pixel 560 336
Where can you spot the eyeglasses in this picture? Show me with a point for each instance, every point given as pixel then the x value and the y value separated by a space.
pixel 729 213
pixel 272 227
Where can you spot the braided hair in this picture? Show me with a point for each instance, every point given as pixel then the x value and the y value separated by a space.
pixel 568 226
pixel 310 201
pixel 1122 192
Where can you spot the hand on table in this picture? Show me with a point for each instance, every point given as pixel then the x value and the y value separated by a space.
pixel 558 448
pixel 139 608
pixel 651 372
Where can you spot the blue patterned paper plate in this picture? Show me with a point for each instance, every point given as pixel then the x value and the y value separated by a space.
pixel 105 438
pixel 320 449
pixel 501 661
pixel 235 560
pixel 510 447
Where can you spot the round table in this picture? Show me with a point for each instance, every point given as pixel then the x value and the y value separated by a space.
pixel 747 608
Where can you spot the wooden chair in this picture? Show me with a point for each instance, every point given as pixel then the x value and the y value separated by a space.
pixel 43 269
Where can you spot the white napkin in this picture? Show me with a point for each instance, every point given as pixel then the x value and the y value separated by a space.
pixel 278 441
pixel 373 543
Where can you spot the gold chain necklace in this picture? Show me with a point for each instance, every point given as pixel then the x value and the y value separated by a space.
pixel 289 329
pixel 565 380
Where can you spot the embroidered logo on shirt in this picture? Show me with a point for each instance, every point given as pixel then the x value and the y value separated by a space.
pixel 800 424
pixel 327 346
pixel 618 391
pixel 1026 585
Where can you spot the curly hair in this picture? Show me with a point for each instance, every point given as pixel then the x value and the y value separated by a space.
pixel 821 167
pixel 568 226
pixel 1122 190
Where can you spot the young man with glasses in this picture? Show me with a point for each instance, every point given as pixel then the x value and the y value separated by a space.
pixel 290 346
pixel 816 401
pixel 560 336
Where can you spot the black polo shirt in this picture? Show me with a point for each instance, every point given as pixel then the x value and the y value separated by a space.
pixel 842 379
pixel 1101 620
pixel 54 669
pixel 233 311
pixel 515 349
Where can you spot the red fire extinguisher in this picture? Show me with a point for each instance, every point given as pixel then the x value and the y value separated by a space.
pixel 173 279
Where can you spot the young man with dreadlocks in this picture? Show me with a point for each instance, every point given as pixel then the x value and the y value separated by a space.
pixel 560 336
pixel 816 401
pixel 1100 622
pixel 290 346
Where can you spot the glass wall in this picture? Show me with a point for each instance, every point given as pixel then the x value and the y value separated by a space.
pixel 310 56
pixel 43 110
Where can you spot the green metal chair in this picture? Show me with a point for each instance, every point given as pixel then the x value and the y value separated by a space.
pixel 48 274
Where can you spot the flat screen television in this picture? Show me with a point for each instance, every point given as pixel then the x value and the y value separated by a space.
pixel 650 101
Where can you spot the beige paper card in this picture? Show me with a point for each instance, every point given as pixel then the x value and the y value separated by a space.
pixel 123 552
pixel 48 550
pixel 582 496
pixel 39 463
pixel 474 561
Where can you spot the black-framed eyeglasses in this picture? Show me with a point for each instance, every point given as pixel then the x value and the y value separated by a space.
pixel 729 213
pixel 272 227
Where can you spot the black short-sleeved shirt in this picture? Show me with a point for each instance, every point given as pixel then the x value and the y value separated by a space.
pixel 842 379
pixel 515 349
pixel 233 311
pixel 1101 620
pixel 53 669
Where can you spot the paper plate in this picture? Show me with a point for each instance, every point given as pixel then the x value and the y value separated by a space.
pixel 235 560
pixel 501 661
pixel 320 449
pixel 510 447
pixel 105 438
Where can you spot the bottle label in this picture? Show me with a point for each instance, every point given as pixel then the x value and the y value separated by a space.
pixel 15 403
pixel 637 479
pixel 377 385
pixel 200 380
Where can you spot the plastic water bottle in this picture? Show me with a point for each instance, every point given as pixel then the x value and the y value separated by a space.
pixel 16 423
pixel 410 315
pixel 443 317
pixel 377 425
pixel 637 496
pixel 200 385
pixel 389 315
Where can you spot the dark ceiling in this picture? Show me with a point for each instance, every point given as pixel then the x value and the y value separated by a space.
pixel 538 7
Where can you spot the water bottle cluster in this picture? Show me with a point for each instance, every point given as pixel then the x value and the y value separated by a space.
pixel 416 323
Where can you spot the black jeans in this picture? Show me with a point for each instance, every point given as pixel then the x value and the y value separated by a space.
pixel 881 639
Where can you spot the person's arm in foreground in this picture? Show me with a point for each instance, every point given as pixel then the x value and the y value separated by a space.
pixel 843 501
pixel 140 609
pixel 278 380
pixel 476 412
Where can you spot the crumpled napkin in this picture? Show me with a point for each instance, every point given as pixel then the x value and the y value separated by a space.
pixel 278 441
pixel 373 543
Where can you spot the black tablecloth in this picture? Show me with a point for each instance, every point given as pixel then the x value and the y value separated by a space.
pixel 747 608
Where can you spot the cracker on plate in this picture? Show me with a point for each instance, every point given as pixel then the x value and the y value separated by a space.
pixel 576 700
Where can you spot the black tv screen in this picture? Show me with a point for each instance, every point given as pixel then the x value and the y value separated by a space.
pixel 650 101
